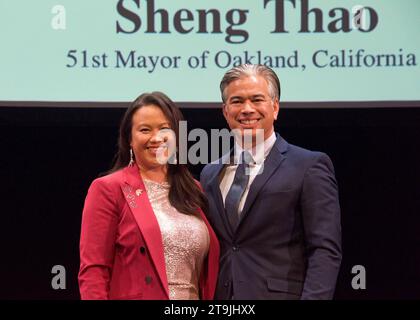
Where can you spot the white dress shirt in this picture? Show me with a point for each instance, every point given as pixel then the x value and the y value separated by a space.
pixel 258 153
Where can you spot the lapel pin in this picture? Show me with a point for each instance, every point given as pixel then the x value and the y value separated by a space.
pixel 139 192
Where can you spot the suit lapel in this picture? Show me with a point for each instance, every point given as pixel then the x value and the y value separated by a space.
pixel 271 163
pixel 138 201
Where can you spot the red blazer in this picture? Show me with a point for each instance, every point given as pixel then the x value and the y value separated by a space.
pixel 121 250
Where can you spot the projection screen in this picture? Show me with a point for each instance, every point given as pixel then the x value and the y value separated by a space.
pixel 327 53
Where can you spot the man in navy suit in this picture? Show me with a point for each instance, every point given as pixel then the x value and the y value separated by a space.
pixel 274 206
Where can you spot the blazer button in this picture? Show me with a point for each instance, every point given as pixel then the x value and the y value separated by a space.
pixel 235 248
pixel 226 284
pixel 148 279
pixel 143 250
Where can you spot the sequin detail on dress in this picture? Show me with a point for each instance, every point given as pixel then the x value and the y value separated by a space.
pixel 185 243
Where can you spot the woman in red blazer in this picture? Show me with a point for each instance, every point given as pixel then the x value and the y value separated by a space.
pixel 144 234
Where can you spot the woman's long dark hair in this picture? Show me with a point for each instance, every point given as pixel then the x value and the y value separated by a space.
pixel 184 193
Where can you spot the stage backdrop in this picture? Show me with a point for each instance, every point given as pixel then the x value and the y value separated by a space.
pixel 110 51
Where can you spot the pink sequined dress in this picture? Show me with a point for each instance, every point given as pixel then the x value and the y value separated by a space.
pixel 185 243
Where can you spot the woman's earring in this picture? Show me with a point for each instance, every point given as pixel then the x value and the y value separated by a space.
pixel 131 158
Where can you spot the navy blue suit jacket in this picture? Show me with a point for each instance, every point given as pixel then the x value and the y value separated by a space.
pixel 287 244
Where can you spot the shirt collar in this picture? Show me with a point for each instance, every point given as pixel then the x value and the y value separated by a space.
pixel 259 152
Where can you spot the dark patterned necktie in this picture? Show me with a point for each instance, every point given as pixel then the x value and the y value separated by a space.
pixel 236 191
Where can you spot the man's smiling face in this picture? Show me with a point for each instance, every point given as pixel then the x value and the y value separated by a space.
pixel 249 106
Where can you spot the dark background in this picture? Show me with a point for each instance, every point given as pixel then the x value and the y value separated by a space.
pixel 49 156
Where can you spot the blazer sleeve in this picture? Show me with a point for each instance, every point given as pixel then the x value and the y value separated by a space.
pixel 322 227
pixel 97 241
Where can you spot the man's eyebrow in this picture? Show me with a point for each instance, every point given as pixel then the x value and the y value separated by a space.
pixel 235 97
pixel 258 95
